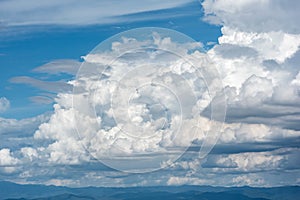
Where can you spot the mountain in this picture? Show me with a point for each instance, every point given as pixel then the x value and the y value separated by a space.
pixel 12 191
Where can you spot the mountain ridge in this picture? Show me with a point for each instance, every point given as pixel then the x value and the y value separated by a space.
pixel 14 191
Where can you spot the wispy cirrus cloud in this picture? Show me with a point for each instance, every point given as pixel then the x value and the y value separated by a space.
pixel 60 70
pixel 57 67
pixel 50 86
pixel 71 12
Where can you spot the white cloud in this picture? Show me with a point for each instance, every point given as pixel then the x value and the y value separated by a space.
pixel 147 130
pixel 296 81
pixel 7 161
pixel 162 90
pixel 102 137
pixel 71 12
pixel 50 86
pixel 257 92
pixel 4 104
pixel 59 66
pixel 254 15
pixel 249 133
pixel 270 45
pixel 6 158
pixel 252 168
pixel 259 38
pixel 187 181
pixel 21 127
pixel 248 162
pixel 249 180
pixel 29 153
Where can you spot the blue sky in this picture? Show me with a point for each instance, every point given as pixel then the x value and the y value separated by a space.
pixel 243 56
pixel 27 47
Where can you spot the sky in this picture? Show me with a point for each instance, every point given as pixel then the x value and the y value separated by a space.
pixel 124 93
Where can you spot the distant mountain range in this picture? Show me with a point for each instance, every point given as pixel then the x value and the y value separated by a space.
pixel 12 191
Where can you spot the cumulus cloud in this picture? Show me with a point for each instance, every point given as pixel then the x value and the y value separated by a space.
pixel 254 16
pixel 251 168
pixel 270 45
pixel 29 153
pixel 22 126
pixel 6 158
pixel 255 61
pixel 162 91
pixel 254 57
pixel 251 161
pixel 104 139
pixel 17 134
pixel 7 161
pixel 256 52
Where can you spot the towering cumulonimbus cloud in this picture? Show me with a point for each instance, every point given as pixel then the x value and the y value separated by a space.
pixel 138 103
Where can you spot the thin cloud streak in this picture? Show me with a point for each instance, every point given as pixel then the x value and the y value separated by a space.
pixel 71 12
